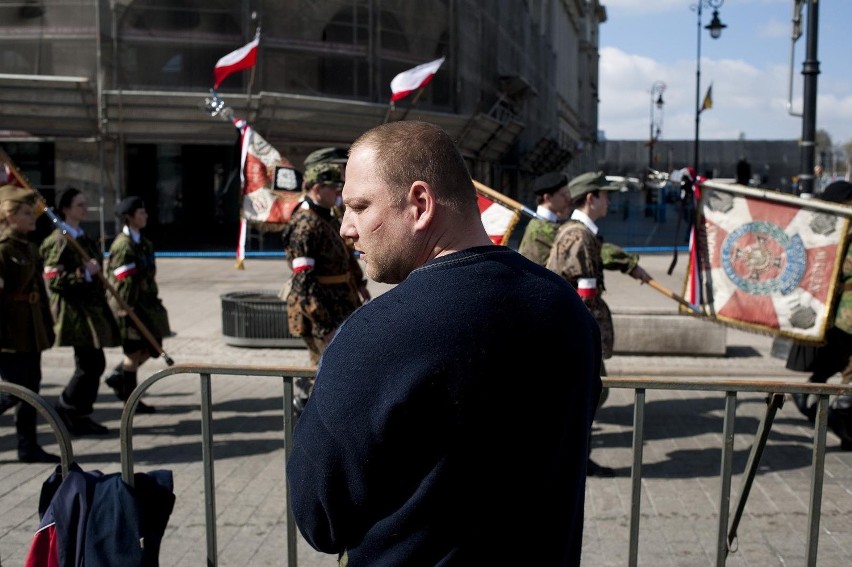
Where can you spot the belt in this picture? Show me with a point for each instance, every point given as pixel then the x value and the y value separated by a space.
pixel 336 279
pixel 847 287
pixel 32 297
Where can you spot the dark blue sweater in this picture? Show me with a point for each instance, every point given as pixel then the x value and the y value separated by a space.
pixel 450 420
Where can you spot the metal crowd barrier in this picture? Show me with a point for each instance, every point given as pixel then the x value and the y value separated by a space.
pixel 727 524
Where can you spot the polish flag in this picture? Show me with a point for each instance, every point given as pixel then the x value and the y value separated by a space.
pixel 409 81
pixel 243 58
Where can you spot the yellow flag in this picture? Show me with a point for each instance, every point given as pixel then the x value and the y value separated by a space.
pixel 708 99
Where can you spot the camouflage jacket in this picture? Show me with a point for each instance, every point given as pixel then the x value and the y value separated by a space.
pixel 132 271
pixel 577 253
pixel 25 321
pixel 538 240
pixel 81 314
pixel 326 274
pixel 843 315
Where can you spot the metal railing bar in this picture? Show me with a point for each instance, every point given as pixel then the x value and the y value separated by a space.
pixel 288 449
pixel 773 403
pixel 817 472
pixel 636 473
pixel 726 385
pixel 209 474
pixel 725 476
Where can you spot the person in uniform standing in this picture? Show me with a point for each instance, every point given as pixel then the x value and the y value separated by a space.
pixel 327 283
pixel 577 256
pixel 26 325
pixel 133 271
pixel 83 319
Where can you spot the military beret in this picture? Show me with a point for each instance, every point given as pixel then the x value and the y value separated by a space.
pixel 549 183
pixel 326 155
pixel 324 173
pixel 588 182
pixel 129 204
pixel 17 194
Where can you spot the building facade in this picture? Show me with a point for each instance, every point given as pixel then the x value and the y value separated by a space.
pixel 108 95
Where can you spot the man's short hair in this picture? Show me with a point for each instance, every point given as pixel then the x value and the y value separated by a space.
pixel 410 150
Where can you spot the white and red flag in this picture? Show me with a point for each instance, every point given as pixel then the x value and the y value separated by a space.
pixel 416 78
pixel 767 261
pixel 243 58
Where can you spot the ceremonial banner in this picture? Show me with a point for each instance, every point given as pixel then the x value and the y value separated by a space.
pixel 270 186
pixel 767 261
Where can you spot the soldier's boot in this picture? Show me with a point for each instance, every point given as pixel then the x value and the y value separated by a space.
pixel 7 402
pixel 806 404
pixel 129 381
pixel 115 380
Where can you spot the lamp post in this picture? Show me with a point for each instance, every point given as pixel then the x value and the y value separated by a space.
pixel 656 125
pixel 715 28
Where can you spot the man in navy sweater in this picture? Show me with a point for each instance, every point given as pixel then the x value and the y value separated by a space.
pixel 408 452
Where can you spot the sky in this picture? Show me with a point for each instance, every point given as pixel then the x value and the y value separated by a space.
pixel 645 41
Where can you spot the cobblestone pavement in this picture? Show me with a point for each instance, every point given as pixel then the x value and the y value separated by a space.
pixel 680 495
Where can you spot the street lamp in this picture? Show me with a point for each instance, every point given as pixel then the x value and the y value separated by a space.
pixel 656 125
pixel 715 28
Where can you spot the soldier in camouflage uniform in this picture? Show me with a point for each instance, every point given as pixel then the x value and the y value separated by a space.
pixel 835 355
pixel 327 283
pixel 83 319
pixel 577 256
pixel 26 326
pixel 132 271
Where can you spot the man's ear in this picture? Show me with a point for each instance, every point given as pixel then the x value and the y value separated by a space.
pixel 421 200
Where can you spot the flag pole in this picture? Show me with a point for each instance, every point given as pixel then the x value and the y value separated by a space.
pixel 388 113
pixel 413 103
pixel 143 330
pixel 253 67
pixel 669 293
